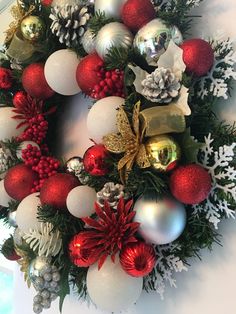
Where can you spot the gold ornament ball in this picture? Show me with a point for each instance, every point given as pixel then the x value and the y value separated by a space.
pixel 33 28
pixel 163 152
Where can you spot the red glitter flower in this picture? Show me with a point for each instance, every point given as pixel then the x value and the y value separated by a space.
pixel 112 230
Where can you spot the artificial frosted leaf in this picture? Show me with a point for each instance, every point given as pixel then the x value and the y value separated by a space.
pixel 182 101
pixel 140 75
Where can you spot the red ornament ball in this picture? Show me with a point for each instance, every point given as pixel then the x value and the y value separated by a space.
pixel 86 74
pixel 136 13
pixel 198 56
pixel 95 160
pixel 19 181
pixel 34 82
pixel 138 259
pixel 190 184
pixel 20 100
pixel 6 78
pixel 80 256
pixel 55 190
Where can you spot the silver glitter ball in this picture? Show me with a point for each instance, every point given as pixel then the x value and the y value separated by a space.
pixel 161 221
pixel 113 35
pixel 88 41
pixel 152 40
pixel 176 35
pixel 111 8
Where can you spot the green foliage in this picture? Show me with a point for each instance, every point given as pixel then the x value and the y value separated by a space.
pixel 8 247
pixel 98 21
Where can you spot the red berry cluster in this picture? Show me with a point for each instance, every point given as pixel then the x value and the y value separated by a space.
pixel 111 83
pixel 6 78
pixel 36 130
pixel 45 166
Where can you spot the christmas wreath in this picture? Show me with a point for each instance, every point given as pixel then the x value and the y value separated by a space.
pixel 160 176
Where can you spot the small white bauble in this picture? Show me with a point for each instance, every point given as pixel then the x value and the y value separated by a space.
pixel 111 288
pixel 102 117
pixel 4 197
pixel 113 35
pixel 8 125
pixel 88 41
pixel 26 214
pixel 60 72
pixel 80 201
pixel 23 146
pixel 111 8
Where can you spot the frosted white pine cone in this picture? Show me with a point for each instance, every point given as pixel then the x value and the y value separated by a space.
pixel 111 193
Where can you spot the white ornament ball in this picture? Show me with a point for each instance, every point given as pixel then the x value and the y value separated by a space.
pixel 111 8
pixel 4 197
pixel 111 288
pixel 60 72
pixel 23 146
pixel 102 117
pixel 80 201
pixel 26 214
pixel 113 35
pixel 88 41
pixel 8 125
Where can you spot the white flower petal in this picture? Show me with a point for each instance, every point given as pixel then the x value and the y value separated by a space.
pixel 140 76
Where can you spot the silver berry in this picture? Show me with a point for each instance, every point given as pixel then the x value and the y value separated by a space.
pixel 45 294
pixel 38 298
pixel 37 308
pixel 53 284
pixel 47 276
pixel 46 303
pixel 53 296
pixel 56 276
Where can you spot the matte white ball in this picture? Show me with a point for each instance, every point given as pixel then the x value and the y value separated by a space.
pixel 102 117
pixel 111 8
pixel 26 214
pixel 23 146
pixel 8 125
pixel 4 197
pixel 80 201
pixel 60 72
pixel 111 288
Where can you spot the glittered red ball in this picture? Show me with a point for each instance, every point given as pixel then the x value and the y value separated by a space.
pixel 138 259
pixel 6 78
pixel 198 56
pixel 56 189
pixel 81 257
pixel 190 184
pixel 95 160
pixel 20 100
pixel 19 181
pixel 136 13
pixel 86 74
pixel 34 82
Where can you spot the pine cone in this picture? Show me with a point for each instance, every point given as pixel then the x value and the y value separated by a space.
pixel 5 157
pixel 69 23
pixel 161 86
pixel 111 193
pixel 80 173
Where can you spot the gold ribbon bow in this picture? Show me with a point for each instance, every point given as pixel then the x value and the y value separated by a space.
pixel 129 141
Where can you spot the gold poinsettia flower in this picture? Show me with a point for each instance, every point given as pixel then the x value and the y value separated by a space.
pixel 129 141
pixel 24 263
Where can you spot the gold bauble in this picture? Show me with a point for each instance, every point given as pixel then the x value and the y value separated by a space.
pixel 33 28
pixel 163 152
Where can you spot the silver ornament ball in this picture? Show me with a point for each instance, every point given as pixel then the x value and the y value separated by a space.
pixel 88 41
pixel 161 221
pixel 152 40
pixel 73 165
pixel 111 8
pixel 113 35
pixel 12 219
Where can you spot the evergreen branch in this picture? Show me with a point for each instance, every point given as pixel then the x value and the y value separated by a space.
pixel 98 21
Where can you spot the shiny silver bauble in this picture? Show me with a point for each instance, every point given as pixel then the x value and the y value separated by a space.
pixel 113 35
pixel 161 221
pixel 111 8
pixel 88 41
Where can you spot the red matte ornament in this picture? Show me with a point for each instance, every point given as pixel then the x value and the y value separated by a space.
pixel 190 184
pixel 79 254
pixel 6 78
pixel 55 190
pixel 198 56
pixel 136 13
pixel 19 181
pixel 138 259
pixel 34 82
pixel 95 160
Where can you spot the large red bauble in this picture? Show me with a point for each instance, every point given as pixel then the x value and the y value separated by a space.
pixel 19 181
pixel 198 56
pixel 138 259
pixel 95 160
pixel 136 13
pixel 55 190
pixel 79 255
pixel 86 74
pixel 34 82
pixel 190 184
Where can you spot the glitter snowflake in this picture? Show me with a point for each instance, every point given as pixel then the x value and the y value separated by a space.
pixel 167 264
pixel 216 82
pixel 220 164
